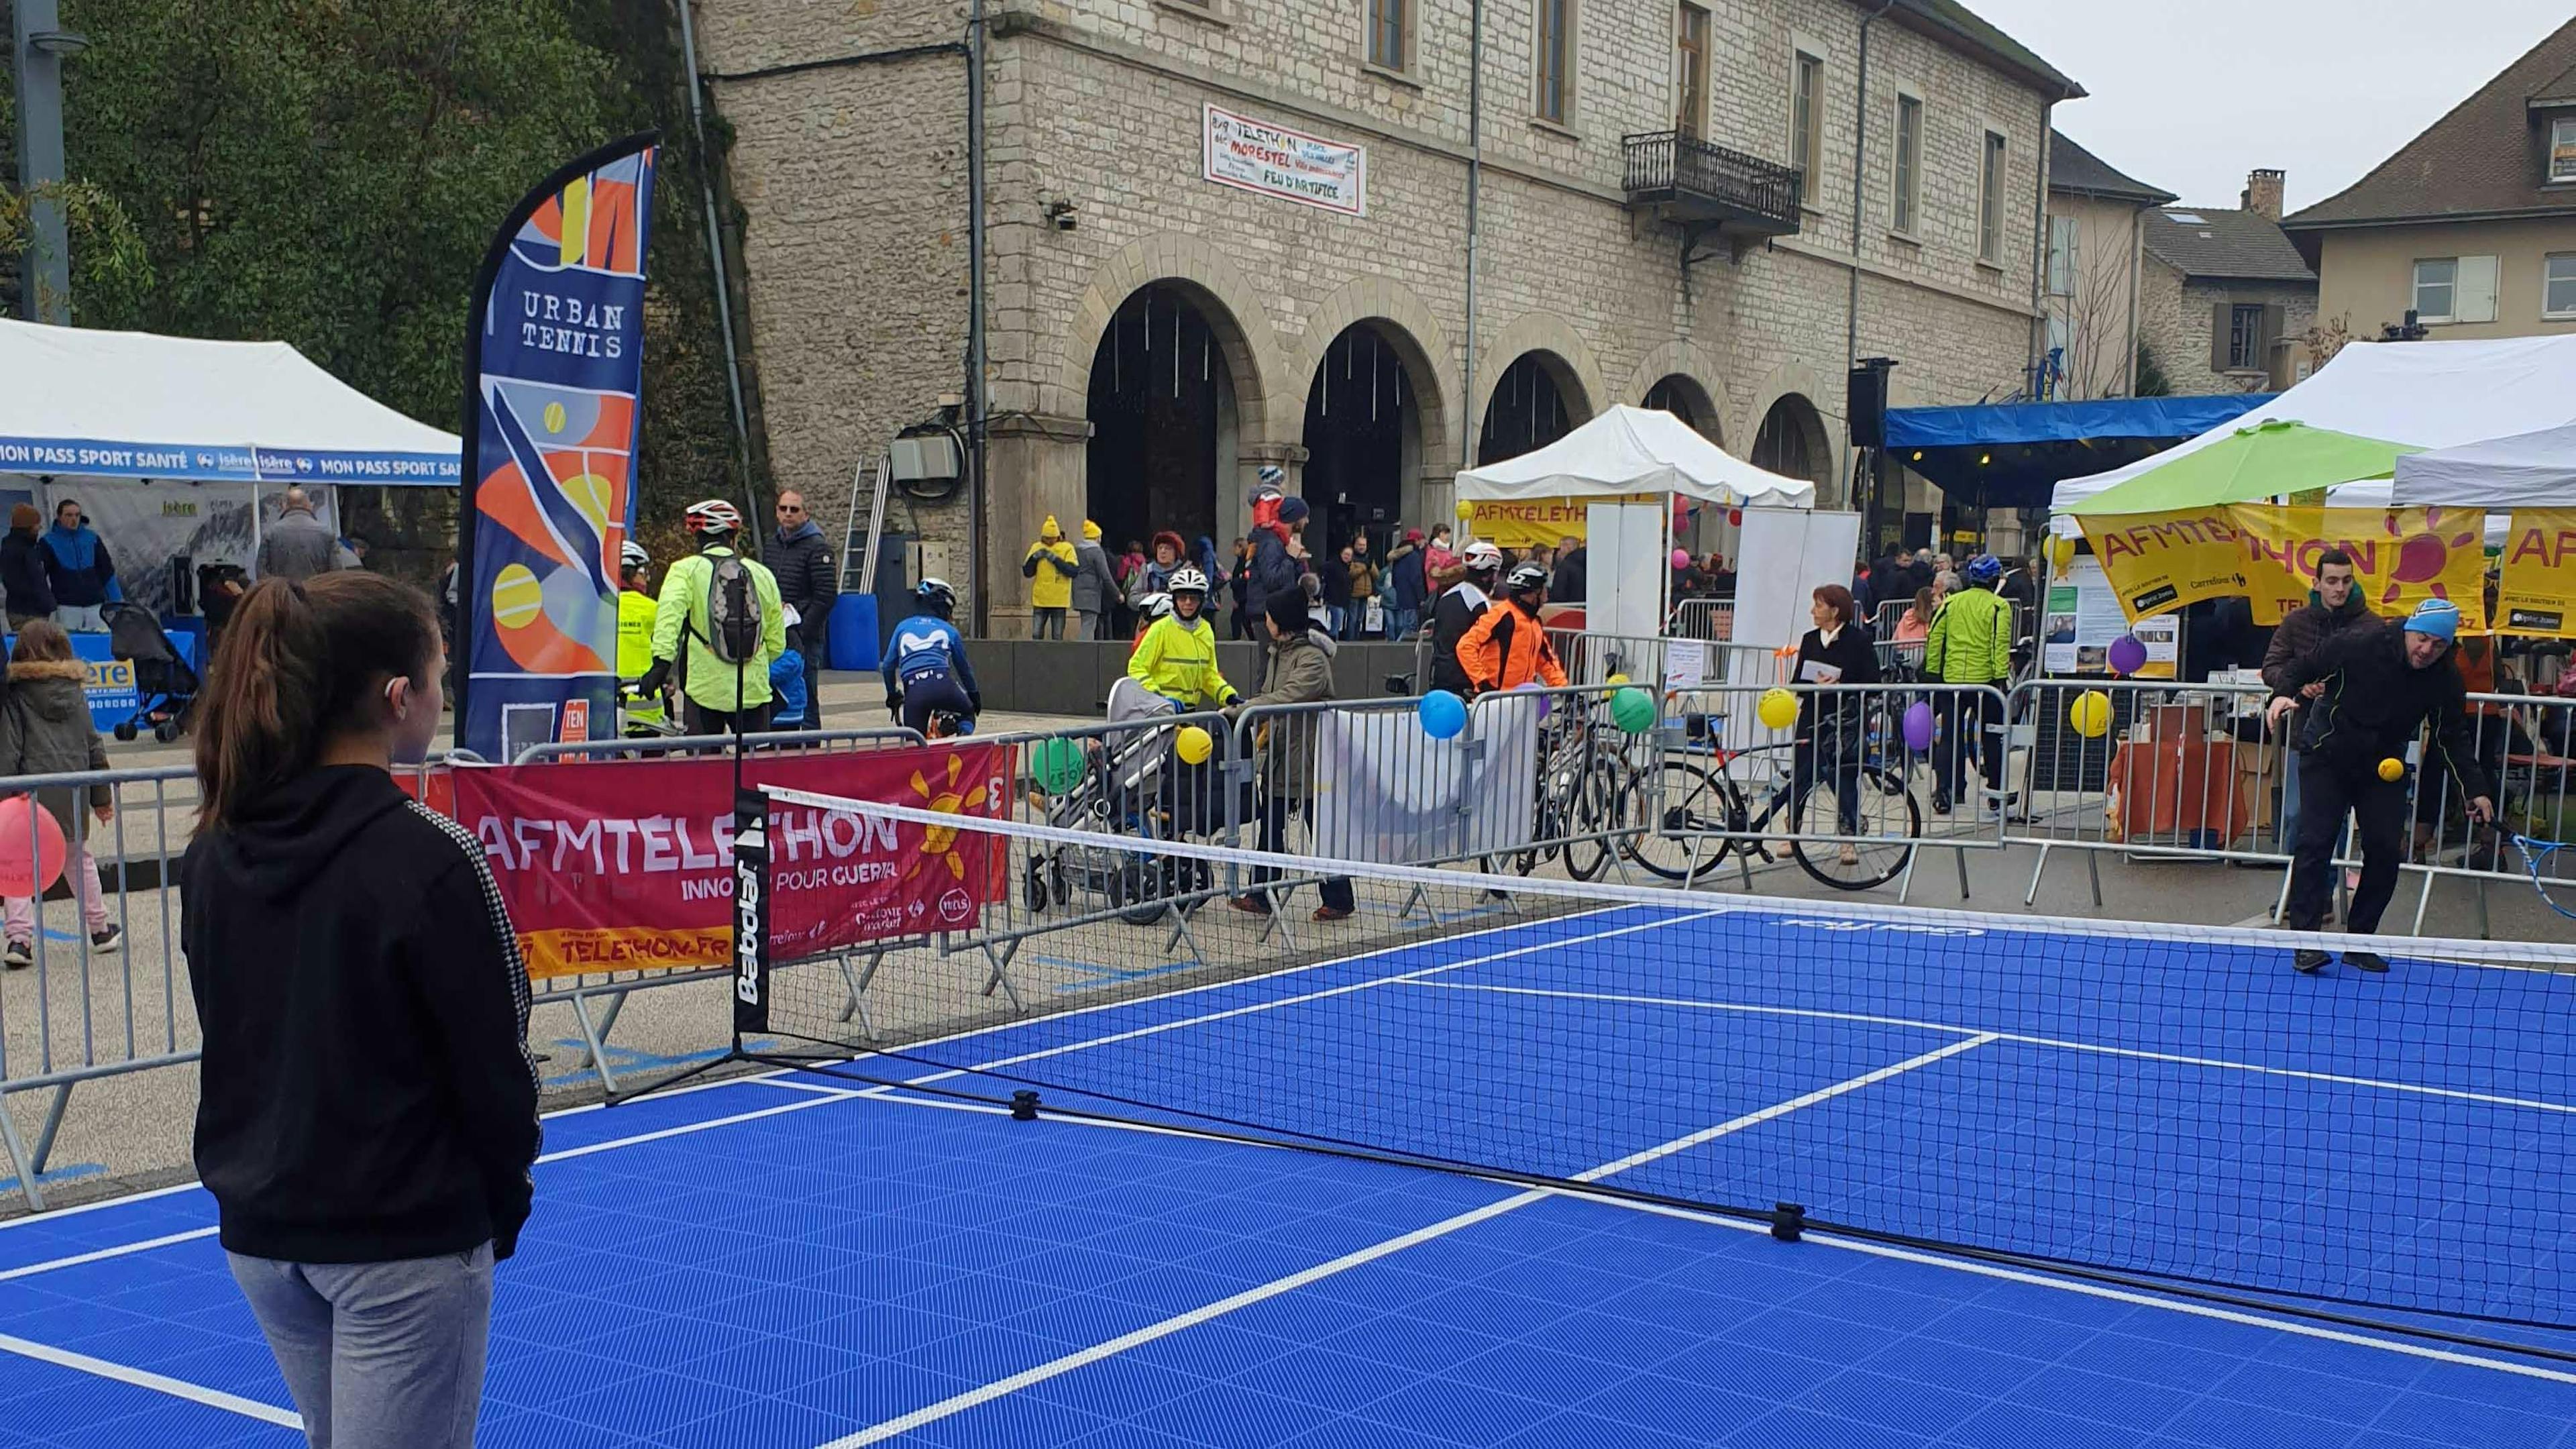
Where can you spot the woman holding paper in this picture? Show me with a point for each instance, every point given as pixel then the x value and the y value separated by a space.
pixel 1838 651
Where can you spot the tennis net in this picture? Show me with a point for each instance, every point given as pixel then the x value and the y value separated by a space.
pixel 2154 1101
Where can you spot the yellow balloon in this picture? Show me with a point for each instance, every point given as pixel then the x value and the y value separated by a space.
pixel 1193 745
pixel 2090 714
pixel 2392 769
pixel 1778 708
pixel 1466 509
pixel 1616 679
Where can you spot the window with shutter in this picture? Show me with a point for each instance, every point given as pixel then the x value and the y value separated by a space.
pixel 2476 300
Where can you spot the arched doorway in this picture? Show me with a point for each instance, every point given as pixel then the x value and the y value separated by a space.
pixel 1792 443
pixel 1697 528
pixel 1162 413
pixel 1535 402
pixel 1363 436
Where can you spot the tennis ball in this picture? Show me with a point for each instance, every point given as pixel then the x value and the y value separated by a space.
pixel 555 417
pixel 2392 769
pixel 517 597
pixel 2090 714
pixel 1193 745
pixel 1777 709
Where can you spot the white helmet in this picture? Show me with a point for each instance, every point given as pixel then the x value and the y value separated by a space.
pixel 631 555
pixel 1481 557
pixel 713 515
pixel 1155 605
pixel 1186 581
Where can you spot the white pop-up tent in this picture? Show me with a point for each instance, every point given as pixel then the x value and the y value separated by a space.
pixel 2431 394
pixel 167 442
pixel 1635 450
pixel 2527 470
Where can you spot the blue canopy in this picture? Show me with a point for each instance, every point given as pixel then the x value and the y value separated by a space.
pixel 2066 422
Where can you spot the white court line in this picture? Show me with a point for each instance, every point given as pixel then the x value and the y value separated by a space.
pixel 2065 1044
pixel 144 1378
pixel 999 1388
pixel 101 1254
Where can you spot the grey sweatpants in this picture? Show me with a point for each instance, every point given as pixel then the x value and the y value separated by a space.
pixel 378 1355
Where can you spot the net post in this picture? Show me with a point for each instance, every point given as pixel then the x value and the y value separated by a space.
pixel 751 906
pixel 1788 1221
pixel 1024 1106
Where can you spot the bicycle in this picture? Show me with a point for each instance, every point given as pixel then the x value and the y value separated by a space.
pixel 1700 804
pixel 1581 791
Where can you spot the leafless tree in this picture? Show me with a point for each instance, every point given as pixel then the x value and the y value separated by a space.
pixel 2093 326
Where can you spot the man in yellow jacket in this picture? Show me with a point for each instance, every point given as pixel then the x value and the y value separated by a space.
pixel 636 612
pixel 1049 568
pixel 725 687
pixel 1971 643
pixel 1177 656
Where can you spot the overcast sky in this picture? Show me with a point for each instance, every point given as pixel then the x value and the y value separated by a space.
pixel 2189 95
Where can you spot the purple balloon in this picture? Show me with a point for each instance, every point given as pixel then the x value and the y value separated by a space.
pixel 1918 726
pixel 2128 655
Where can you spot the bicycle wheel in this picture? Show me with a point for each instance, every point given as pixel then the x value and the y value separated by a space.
pixel 1599 811
pixel 1890 823
pixel 1693 801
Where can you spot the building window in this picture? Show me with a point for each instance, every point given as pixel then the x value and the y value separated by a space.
pixel 2558 286
pixel 2061 256
pixel 2436 279
pixel 1690 71
pixel 2245 338
pixel 1555 60
pixel 2562 149
pixel 1990 203
pixel 1390 33
pixel 1909 163
pixel 1807 119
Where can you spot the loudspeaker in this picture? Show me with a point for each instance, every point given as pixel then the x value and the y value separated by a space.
pixel 1865 402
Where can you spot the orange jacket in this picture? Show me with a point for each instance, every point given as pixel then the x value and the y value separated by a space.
pixel 1506 648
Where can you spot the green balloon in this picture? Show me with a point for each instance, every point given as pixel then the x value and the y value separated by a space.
pixel 1632 710
pixel 1057 765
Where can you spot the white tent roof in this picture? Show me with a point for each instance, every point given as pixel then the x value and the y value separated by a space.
pixel 2526 470
pixel 135 405
pixel 1635 450
pixel 2431 394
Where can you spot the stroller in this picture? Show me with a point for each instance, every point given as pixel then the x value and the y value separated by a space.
pixel 1133 785
pixel 164 684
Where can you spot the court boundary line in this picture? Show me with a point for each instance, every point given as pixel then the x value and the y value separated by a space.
pixel 1747 1008
pixel 146 1379
pixel 1136 1338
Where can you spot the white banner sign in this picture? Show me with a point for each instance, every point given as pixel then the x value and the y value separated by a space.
pixel 1275 161
pixel 1384 791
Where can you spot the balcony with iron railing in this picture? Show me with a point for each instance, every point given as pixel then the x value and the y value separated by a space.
pixel 1707 187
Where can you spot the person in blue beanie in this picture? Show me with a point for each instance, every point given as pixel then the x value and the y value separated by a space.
pixel 2381 687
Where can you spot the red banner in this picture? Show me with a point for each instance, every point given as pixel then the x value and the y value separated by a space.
pixel 628 864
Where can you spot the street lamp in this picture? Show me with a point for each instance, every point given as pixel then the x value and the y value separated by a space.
pixel 62 44
pixel 37 58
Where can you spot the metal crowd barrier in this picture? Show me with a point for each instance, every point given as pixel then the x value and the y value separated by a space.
pixel 2151 769
pixel 1709 619
pixel 2525 745
pixel 76 1014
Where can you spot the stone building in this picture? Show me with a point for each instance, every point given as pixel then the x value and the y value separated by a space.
pixel 2097 219
pixel 2225 300
pixel 1230 233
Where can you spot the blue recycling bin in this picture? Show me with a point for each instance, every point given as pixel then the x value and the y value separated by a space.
pixel 852 637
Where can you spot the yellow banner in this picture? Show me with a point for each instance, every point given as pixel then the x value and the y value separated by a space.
pixel 2537 594
pixel 2159 562
pixel 1537 522
pixel 2400 557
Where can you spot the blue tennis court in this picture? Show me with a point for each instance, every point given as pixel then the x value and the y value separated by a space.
pixel 801 1260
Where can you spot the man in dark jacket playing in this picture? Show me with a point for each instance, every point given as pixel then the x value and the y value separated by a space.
pixel 802 560
pixel 2338 606
pixel 2380 686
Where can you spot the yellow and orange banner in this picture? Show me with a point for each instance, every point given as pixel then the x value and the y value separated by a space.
pixel 1537 522
pixel 2268 553
pixel 2537 591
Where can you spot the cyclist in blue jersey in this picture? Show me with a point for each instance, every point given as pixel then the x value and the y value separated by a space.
pixel 925 662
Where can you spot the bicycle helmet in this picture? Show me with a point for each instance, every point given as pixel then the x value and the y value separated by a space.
pixel 1481 557
pixel 1186 581
pixel 1984 569
pixel 1525 578
pixel 1155 606
pixel 631 554
pixel 713 515
pixel 935 595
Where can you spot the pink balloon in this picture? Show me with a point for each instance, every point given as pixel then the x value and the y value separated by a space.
pixel 31 852
pixel 1681 558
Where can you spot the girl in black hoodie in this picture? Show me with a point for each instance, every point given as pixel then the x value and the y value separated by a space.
pixel 366 1118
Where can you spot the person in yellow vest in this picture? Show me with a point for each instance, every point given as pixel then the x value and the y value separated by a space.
pixel 643 712
pixel 1049 568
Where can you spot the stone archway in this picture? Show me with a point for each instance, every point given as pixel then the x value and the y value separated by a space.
pixel 1165 418
pixel 1791 441
pixel 1686 372
pixel 1243 327
pixel 1408 325
pixel 1567 357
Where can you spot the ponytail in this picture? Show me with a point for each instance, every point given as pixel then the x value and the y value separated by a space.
pixel 298 663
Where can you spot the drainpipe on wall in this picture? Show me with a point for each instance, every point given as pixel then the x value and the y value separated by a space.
pixel 1860 150
pixel 2137 269
pixel 716 252
pixel 1468 413
pixel 2039 244
pixel 978 409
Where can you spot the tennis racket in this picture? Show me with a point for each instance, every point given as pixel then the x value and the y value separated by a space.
pixel 2535 854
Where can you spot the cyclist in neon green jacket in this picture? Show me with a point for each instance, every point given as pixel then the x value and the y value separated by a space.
pixel 1970 643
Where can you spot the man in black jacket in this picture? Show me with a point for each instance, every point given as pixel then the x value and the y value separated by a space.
pixel 802 561
pixel 1573 566
pixel 2338 606
pixel 2380 686
pixel 1456 611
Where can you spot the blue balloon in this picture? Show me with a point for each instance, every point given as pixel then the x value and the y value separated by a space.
pixel 1443 714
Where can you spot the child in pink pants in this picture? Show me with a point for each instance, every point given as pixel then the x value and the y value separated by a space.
pixel 45 729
